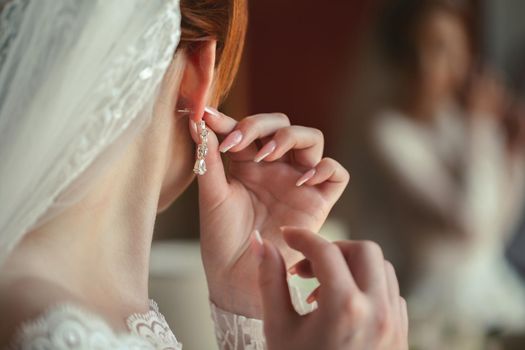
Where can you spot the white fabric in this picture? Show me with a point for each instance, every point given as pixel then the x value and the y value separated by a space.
pixel 78 79
pixel 68 327
pixel 237 332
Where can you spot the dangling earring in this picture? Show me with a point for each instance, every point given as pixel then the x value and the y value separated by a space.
pixel 202 150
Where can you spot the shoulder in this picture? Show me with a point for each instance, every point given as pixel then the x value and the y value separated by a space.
pixel 23 299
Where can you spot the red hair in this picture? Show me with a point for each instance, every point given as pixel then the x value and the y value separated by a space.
pixel 225 21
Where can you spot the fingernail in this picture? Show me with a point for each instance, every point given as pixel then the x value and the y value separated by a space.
pixel 307 176
pixel 232 140
pixel 258 237
pixel 194 126
pixel 212 111
pixel 265 151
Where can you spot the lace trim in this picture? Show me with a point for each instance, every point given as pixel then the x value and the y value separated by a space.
pixel 236 332
pixel 68 327
pixel 153 327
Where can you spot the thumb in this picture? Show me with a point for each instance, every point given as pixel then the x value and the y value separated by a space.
pixel 278 310
pixel 213 185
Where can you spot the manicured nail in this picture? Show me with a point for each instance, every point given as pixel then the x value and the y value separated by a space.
pixel 265 151
pixel 307 176
pixel 194 127
pixel 258 237
pixel 231 141
pixel 212 111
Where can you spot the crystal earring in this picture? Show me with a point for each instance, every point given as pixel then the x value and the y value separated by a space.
pixel 202 150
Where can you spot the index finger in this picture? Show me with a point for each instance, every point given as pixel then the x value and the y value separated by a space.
pixel 219 122
pixel 367 264
pixel 328 263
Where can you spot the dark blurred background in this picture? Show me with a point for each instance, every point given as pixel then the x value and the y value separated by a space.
pixel 422 101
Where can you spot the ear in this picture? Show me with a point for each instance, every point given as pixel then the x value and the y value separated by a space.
pixel 197 78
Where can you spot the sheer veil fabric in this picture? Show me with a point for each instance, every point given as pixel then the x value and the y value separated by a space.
pixel 78 78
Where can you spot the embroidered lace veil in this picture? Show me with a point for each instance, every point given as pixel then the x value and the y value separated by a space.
pixel 78 78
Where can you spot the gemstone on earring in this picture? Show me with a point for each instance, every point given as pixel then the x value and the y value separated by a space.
pixel 204 133
pixel 202 151
pixel 200 167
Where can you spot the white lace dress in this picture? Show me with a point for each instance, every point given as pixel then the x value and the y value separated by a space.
pixel 68 327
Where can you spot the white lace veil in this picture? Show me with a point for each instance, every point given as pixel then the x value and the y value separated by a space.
pixel 78 78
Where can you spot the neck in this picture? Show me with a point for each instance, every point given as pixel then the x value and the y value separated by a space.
pixel 106 236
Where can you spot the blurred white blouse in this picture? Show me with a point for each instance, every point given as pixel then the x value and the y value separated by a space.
pixel 458 170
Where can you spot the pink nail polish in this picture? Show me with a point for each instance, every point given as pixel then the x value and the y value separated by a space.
pixel 194 126
pixel 212 111
pixel 307 176
pixel 265 151
pixel 258 237
pixel 232 140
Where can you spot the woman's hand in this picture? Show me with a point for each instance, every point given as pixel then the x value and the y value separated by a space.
pixel 285 181
pixel 358 297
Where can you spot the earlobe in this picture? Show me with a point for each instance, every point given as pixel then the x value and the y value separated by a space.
pixel 197 81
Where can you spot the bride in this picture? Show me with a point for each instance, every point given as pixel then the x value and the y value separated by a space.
pixel 101 103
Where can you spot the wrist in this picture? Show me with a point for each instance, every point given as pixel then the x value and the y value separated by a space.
pixel 236 301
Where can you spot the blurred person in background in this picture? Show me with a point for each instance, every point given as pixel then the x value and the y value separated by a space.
pixel 445 179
